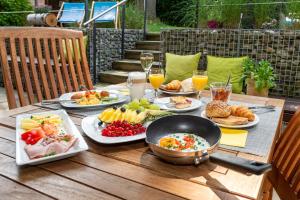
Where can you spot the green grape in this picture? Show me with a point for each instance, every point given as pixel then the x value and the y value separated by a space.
pixel 144 102
pixel 154 107
pixel 134 105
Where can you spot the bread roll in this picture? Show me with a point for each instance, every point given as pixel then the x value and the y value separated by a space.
pixel 217 109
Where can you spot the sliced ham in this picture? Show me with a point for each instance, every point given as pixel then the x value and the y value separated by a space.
pixel 40 150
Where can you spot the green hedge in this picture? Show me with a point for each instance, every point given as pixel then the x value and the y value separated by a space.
pixel 226 12
pixel 167 8
pixel 134 17
pixel 14 5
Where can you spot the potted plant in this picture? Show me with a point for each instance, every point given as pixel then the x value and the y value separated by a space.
pixel 259 77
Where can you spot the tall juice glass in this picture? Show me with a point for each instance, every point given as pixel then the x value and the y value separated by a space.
pixel 199 80
pixel 156 78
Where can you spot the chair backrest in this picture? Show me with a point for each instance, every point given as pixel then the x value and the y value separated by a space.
pixel 99 7
pixel 33 61
pixel 71 13
pixel 285 176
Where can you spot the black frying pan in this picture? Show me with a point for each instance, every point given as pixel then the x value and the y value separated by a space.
pixel 204 128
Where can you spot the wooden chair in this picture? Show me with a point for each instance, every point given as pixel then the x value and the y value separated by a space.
pixel 285 174
pixel 33 61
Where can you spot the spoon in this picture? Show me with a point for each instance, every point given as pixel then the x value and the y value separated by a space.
pixel 228 80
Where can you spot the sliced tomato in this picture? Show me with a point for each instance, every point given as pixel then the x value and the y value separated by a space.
pixel 188 139
pixel 33 136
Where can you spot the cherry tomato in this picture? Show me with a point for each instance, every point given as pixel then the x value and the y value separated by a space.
pixel 104 94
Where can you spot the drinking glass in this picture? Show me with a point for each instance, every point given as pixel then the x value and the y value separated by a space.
pixel 136 83
pixel 146 61
pixel 220 91
pixel 199 80
pixel 156 78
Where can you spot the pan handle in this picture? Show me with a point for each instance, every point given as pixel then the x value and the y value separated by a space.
pixel 199 159
pixel 251 166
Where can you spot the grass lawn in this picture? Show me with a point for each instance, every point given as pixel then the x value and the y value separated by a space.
pixel 155 26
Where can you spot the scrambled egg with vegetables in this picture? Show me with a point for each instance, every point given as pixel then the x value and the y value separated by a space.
pixel 92 98
pixel 183 142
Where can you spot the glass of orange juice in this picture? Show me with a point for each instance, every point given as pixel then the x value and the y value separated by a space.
pixel 199 80
pixel 156 78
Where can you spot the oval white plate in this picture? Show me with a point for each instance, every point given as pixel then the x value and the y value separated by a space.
pixel 177 93
pixel 162 101
pixel 92 130
pixel 250 124
pixel 113 93
pixel 22 157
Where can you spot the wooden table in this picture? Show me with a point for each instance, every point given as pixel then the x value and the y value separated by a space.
pixel 126 171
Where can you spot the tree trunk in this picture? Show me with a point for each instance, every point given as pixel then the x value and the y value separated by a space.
pixel 44 19
pixel 151 7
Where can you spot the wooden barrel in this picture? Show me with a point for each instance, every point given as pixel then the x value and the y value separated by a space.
pixel 42 19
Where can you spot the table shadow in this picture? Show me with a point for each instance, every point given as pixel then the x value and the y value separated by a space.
pixel 195 171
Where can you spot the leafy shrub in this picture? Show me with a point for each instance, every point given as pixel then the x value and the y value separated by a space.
pixel 176 12
pixel 14 5
pixel 44 9
pixel 225 12
pixel 231 14
pixel 134 17
pixel 293 9
pixel 183 13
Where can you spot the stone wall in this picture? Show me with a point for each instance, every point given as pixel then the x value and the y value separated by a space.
pixel 108 46
pixel 281 48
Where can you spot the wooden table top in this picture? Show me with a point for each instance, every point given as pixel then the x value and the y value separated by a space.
pixel 125 171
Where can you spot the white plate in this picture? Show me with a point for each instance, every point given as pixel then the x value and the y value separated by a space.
pixel 22 157
pixel 163 101
pixel 250 124
pixel 112 93
pixel 177 93
pixel 92 130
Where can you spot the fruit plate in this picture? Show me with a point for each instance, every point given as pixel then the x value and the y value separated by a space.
pixel 163 104
pixel 21 156
pixel 113 93
pixel 93 131
pixel 177 93
pixel 250 124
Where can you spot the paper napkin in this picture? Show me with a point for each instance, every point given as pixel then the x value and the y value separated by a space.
pixel 233 137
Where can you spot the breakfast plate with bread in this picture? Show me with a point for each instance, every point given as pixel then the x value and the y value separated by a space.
pixel 178 103
pixel 177 87
pixel 230 116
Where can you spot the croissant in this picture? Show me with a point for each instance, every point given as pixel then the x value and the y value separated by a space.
pixel 173 85
pixel 242 111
